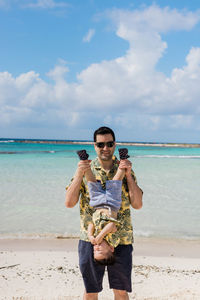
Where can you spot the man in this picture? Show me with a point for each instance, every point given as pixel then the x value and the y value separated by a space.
pixel 104 168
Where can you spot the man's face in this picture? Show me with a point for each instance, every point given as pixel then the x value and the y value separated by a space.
pixel 102 250
pixel 106 152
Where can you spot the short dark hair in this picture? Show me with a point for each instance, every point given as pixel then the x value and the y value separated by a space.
pixel 104 130
pixel 110 260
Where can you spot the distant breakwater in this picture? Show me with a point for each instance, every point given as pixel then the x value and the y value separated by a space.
pixel 178 145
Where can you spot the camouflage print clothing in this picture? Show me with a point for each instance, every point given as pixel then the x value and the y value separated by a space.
pixel 86 211
pixel 100 220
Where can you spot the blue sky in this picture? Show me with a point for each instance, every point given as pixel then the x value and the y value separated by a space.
pixel 68 67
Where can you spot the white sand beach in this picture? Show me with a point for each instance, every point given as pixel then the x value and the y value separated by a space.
pixel 48 269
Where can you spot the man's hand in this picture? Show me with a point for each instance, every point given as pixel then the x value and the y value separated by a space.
pixel 72 194
pixel 127 165
pixel 83 166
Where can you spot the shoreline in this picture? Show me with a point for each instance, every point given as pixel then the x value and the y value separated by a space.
pixel 139 144
pixel 159 247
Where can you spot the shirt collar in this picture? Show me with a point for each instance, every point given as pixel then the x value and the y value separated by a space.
pixel 98 166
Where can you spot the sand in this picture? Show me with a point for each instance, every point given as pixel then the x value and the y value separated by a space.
pixel 48 269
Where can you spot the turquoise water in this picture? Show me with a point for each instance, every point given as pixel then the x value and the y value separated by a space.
pixel 33 179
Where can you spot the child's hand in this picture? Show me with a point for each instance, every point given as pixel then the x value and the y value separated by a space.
pixel 92 240
pixel 98 239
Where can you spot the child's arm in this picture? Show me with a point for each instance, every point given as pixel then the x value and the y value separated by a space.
pixel 90 233
pixel 110 227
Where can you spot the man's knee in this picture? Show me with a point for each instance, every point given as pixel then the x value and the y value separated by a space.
pixel 121 295
pixel 90 296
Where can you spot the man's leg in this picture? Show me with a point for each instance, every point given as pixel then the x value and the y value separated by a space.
pixel 92 273
pixel 90 296
pixel 120 295
pixel 119 274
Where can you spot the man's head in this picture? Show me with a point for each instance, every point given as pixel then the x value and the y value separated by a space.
pixel 102 131
pixel 104 143
pixel 104 253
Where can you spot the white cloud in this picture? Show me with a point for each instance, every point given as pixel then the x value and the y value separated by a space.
pixel 58 72
pixel 153 18
pixel 87 38
pixel 126 92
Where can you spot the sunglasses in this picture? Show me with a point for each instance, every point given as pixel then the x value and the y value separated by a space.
pixel 102 144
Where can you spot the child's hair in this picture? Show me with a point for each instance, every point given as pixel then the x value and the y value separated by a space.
pixel 110 260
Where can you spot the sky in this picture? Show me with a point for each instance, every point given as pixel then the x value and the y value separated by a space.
pixel 69 67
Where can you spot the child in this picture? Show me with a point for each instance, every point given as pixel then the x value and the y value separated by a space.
pixel 102 231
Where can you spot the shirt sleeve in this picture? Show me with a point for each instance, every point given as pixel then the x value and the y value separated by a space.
pixel 125 180
pixel 69 183
pixel 134 176
pixel 82 187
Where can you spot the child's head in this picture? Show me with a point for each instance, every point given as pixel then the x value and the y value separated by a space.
pixel 104 253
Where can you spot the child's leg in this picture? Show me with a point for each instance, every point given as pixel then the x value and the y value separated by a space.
pixel 123 154
pixel 119 175
pixel 84 157
pixel 114 189
pixel 90 176
pixel 114 194
pixel 97 194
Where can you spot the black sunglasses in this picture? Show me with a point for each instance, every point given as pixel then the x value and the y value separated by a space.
pixel 102 144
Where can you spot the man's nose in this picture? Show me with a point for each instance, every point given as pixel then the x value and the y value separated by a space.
pixel 105 147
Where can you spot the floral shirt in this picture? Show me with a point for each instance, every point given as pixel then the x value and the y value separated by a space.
pixel 125 231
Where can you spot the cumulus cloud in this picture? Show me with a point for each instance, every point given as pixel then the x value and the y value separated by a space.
pixel 153 18
pixel 133 77
pixel 128 91
pixel 87 38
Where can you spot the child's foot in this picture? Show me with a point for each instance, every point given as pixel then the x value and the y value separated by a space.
pixel 123 153
pixel 82 154
pixel 88 174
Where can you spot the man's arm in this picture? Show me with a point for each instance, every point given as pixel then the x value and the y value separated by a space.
pixel 73 191
pixel 135 193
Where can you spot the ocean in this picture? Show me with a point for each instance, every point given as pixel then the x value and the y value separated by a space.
pixel 33 177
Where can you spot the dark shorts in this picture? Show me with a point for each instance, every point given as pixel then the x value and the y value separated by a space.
pixel 119 274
